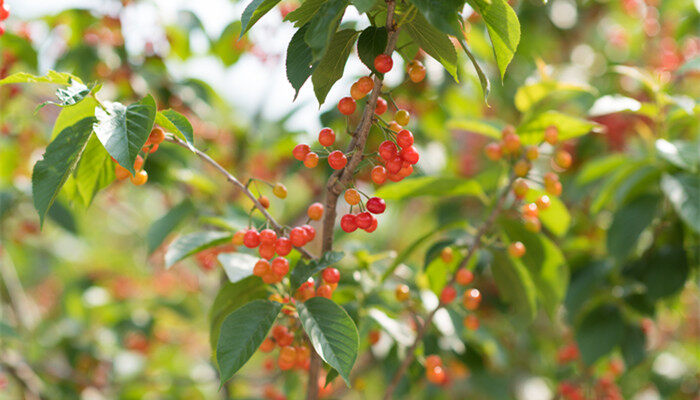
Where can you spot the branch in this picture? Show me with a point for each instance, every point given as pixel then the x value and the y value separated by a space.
pixel 276 226
pixel 423 328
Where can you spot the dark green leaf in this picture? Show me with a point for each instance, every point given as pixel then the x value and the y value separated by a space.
pixel 304 269
pixel 230 297
pixel 628 224
pixel 633 346
pixel 431 186
pixel 515 285
pixel 304 13
pixel 177 123
pixel 683 191
pixel 332 65
pixel 123 130
pixel 60 158
pixel 663 272
pixel 504 29
pixel 63 216
pixel 332 333
pixel 237 265
pixel 299 63
pixel 584 282
pixel 442 14
pixel 370 44
pixel 165 225
pixel 255 10
pixel 323 25
pixel 241 334
pixel 185 246
pixel 437 44
pixel 363 5
pixel 599 332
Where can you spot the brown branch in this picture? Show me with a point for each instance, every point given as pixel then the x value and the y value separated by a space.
pixel 340 179
pixel 423 328
pixel 275 225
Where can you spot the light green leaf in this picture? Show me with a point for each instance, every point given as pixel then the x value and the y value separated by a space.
pixel 532 131
pixel 60 78
pixel 608 188
pixel 530 95
pixel 229 298
pixel 483 80
pixel 683 191
pixel 255 10
pixel 58 162
pixel 304 13
pixel 223 47
pixel 431 186
pixel 556 218
pixel 437 44
pixel 628 224
pixel 241 334
pixel 332 333
pixel 123 130
pixel 303 270
pixel 599 168
pixel 599 332
pixel 682 154
pixel 69 115
pixel 186 245
pixel 177 123
pixel 94 172
pixel 332 65
pixel 515 285
pixel 483 128
pixel 504 29
pixel 237 265
pixel 323 25
pixel 163 226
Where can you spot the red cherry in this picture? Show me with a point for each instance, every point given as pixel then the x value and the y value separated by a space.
pixel 297 236
pixel 376 205
pixel 383 63
pixel 267 250
pixel 268 236
pixel 326 137
pixel 280 266
pixel 300 151
pixel 448 294
pixel 348 223
pixel 365 84
pixel 381 107
pixel 283 246
pixel 346 105
pixel 310 232
pixel 387 150
pixel 378 174
pixel 324 291
pixel 373 226
pixel 409 154
pixel 337 159
pixel 251 239
pixel 394 165
pixel 404 138
pixel 364 220
pixel 331 275
pixel 4 12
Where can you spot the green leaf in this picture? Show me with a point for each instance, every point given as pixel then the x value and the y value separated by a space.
pixel 683 191
pixel 177 123
pixel 229 298
pixel 69 115
pixel 556 218
pixel 370 44
pixel 434 251
pixel 634 346
pixel 515 285
pixel 437 44
pixel 123 130
pixel 332 65
pixel 615 103
pixel 504 29
pixel 532 131
pixel 628 224
pixel 442 14
pixel 302 15
pixel 663 272
pixel 60 78
pixel 323 25
pixel 682 154
pixel 332 333
pixel 475 126
pixel 69 96
pixel 186 245
pixel 599 168
pixel 530 95
pixel 544 262
pixel 224 46
pixel 237 265
pixel 303 270
pixel 691 66
pixel 599 332
pixel 58 162
pixel 242 332
pixel 255 10
pixel 7 331
pixel 63 216
pixel 94 172
pixel 363 5
pixel 430 186
pixel 165 225
pixel 300 60
pixel 483 80
pixel 618 176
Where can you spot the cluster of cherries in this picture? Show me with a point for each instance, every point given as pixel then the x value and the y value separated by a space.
pixel 290 355
pixel 155 138
pixel 4 14
pixel 604 387
pixel 364 219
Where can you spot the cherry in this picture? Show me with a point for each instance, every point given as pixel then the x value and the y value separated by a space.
pixel 394 126
pixel 315 211
pixel 348 223
pixel 551 135
pixel 283 246
pixel 297 236
pixel 268 236
pixel 563 159
pixel 156 136
pixel 409 154
pixel 472 298
pixel 447 255
pixel 448 294
pixel 267 250
pixel 471 322
pixel 373 336
pixel 395 177
pixel 554 189
pixel 376 205
pixel 381 107
pixel 416 73
pixel 4 12
pixel 300 151
pixel 356 92
pixel 237 238
pixel 516 249
pixel 331 275
pixel 520 189
pixel 394 165
pixel 543 202
pixel 347 105
pixel 280 266
pixel 337 159
pixel 464 276
pixel 378 174
pixel 352 197
pixel 285 340
pixel 373 226
pixel 511 142
pixel 507 130
pixel 261 268
pixel 279 332
pixel 532 152
pixel 153 149
pixel 267 345
pixel 287 358
pixel 140 178
pixel 364 220
pixel 326 137
pixel 366 84
pixel 436 375
pixel 532 224
pixel 530 210
pixel 383 63
pixel 310 232
pixel 264 201
pixel 402 292
pixel 120 172
pixel 251 238
pixel 404 138
pixel 138 163
pixel 493 151
pixel 405 170
pixel 303 356
pixel 402 117
pixel 280 190
pixel 324 291
pixel 432 361
pixel 387 150
pixel 550 178
pixel 311 160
